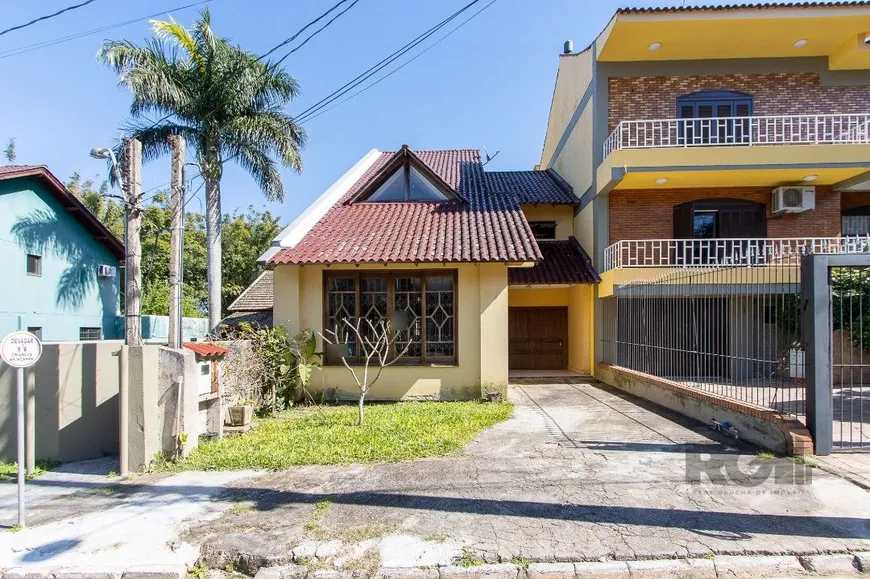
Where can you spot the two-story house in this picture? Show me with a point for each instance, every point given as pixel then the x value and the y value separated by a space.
pixel 707 137
pixel 483 266
pixel 61 266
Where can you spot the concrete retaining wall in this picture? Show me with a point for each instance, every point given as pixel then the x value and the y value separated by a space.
pixel 761 426
pixel 73 392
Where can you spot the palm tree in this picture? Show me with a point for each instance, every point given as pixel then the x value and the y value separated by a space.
pixel 226 103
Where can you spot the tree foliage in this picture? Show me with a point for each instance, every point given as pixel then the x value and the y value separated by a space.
pixel 227 103
pixel 249 234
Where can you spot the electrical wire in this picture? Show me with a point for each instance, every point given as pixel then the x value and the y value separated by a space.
pixel 406 63
pixel 316 32
pixel 46 17
pixel 52 42
pixel 290 39
pixel 362 77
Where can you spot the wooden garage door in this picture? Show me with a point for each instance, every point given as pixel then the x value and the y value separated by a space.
pixel 538 338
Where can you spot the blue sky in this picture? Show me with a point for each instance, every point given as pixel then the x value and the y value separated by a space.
pixel 489 84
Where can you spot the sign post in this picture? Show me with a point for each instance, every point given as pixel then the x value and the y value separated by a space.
pixel 20 350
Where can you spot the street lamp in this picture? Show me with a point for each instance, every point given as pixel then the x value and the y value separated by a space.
pixel 109 154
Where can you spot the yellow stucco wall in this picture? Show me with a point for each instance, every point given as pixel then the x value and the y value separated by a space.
pixel 563 215
pixel 482 325
pixel 521 297
pixel 584 230
pixel 572 79
pixel 574 163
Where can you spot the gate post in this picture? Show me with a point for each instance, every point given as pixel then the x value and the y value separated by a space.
pixel 816 334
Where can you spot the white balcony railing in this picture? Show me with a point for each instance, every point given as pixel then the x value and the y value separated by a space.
pixel 724 252
pixel 740 131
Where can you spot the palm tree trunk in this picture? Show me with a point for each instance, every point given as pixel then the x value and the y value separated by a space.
pixel 213 235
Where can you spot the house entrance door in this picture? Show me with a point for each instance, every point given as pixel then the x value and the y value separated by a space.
pixel 538 338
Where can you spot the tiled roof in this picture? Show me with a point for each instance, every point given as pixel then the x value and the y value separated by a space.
pixel 488 227
pixel 262 318
pixel 206 349
pixel 756 6
pixel 565 262
pixel 256 297
pixel 531 186
pixel 16 168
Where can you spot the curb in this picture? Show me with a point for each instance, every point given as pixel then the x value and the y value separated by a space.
pixel 731 566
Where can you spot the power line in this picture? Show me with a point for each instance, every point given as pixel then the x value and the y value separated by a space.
pixel 290 39
pixel 397 69
pixel 318 31
pixel 76 36
pixel 364 76
pixel 46 17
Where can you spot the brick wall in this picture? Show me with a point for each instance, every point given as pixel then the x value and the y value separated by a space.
pixel 853 199
pixel 649 213
pixel 655 97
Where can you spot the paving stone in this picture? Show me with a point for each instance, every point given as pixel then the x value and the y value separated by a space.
pixel 407 573
pixel 672 569
pixel 746 567
pixel 830 564
pixel 89 572
pixel 863 560
pixel 550 570
pixel 602 570
pixel 282 572
pixel 29 573
pixel 156 572
pixel 495 571
pixel 334 574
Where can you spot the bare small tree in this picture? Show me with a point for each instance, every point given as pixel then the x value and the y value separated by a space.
pixel 377 348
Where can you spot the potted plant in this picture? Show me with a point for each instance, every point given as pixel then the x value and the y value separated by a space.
pixel 241 413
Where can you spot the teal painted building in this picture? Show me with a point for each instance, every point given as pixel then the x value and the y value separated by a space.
pixel 61 268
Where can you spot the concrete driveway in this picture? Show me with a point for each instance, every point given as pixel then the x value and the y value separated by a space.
pixel 580 472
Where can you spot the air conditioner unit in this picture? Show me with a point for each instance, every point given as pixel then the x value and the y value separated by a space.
pixel 106 271
pixel 793 199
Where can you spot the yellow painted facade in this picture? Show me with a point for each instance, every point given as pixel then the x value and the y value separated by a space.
pixel 733 166
pixel 482 333
pixel 717 34
pixel 563 215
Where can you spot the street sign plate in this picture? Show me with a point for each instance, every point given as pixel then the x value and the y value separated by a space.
pixel 20 349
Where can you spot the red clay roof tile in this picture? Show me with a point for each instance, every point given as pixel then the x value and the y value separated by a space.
pixel 488 227
pixel 565 262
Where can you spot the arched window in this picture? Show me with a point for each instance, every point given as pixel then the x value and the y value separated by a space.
pixel 719 117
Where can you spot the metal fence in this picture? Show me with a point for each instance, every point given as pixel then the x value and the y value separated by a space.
pixel 850 353
pixel 831 129
pixel 731 331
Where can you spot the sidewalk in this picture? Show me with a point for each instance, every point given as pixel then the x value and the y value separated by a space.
pixel 853 466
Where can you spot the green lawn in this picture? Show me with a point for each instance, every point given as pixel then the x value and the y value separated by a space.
pixel 392 432
pixel 9 470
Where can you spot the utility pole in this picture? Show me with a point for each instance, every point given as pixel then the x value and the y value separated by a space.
pixel 176 204
pixel 132 263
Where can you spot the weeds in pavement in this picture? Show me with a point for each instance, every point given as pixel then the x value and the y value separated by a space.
pixel 766 455
pixel 522 563
pixel 437 538
pixel 198 571
pixel 14 528
pixel 364 532
pixel 805 459
pixel 314 524
pixel 9 470
pixel 240 508
pixel 468 559
pixel 366 565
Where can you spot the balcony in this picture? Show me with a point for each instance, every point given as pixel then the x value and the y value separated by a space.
pixel 735 151
pixel 740 131
pixel 706 253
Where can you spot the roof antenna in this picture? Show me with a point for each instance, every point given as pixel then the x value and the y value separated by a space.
pixel 488 156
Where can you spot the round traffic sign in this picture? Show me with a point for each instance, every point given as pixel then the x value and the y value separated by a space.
pixel 20 349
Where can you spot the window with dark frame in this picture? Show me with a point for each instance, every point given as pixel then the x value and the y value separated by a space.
pixel 90 334
pixel 34 265
pixel 407 184
pixel 427 298
pixel 855 222
pixel 713 105
pixel 36 331
pixel 543 229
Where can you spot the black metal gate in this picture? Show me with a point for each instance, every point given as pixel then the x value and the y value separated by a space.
pixel 836 300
